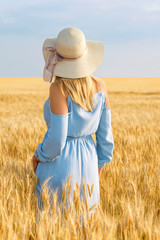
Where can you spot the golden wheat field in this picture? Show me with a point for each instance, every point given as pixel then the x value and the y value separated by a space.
pixel 129 185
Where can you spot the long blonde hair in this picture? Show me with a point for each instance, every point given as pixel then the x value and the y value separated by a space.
pixel 79 89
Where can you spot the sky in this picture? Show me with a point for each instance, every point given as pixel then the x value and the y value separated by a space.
pixel 130 31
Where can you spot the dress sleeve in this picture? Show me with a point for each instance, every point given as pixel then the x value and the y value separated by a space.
pixel 54 139
pixel 104 138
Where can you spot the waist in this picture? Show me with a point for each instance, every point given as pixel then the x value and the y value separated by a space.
pixel 79 137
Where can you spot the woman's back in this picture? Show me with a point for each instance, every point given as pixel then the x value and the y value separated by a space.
pixel 80 122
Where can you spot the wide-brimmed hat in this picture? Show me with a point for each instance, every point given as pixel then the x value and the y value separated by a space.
pixel 70 55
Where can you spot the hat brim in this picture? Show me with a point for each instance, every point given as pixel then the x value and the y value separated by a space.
pixel 81 67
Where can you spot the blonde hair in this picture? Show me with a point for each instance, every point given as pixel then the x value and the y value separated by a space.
pixel 79 89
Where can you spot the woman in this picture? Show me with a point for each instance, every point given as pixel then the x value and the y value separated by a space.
pixel 78 106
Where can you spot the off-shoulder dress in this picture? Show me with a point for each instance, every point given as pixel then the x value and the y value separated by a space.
pixel 69 149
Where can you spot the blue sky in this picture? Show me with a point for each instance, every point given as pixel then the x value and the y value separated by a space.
pixel 130 31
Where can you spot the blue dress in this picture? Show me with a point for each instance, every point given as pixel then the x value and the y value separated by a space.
pixel 68 148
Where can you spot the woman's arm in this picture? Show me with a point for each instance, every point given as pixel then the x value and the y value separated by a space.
pixel 55 137
pixel 58 102
pixel 104 138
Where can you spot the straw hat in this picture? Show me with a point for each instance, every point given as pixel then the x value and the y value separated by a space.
pixel 70 55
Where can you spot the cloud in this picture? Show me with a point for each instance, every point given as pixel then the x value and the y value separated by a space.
pixel 152 8
pixel 8 20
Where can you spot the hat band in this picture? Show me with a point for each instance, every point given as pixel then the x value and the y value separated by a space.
pixel 51 62
pixel 71 59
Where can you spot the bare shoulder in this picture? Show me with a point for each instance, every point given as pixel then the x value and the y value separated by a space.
pixel 58 101
pixel 106 91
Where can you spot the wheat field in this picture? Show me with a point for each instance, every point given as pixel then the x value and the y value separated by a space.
pixel 129 185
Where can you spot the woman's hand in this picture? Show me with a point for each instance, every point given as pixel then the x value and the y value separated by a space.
pixel 35 162
pixel 99 172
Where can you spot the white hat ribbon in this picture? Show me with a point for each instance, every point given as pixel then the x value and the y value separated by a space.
pixel 53 59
